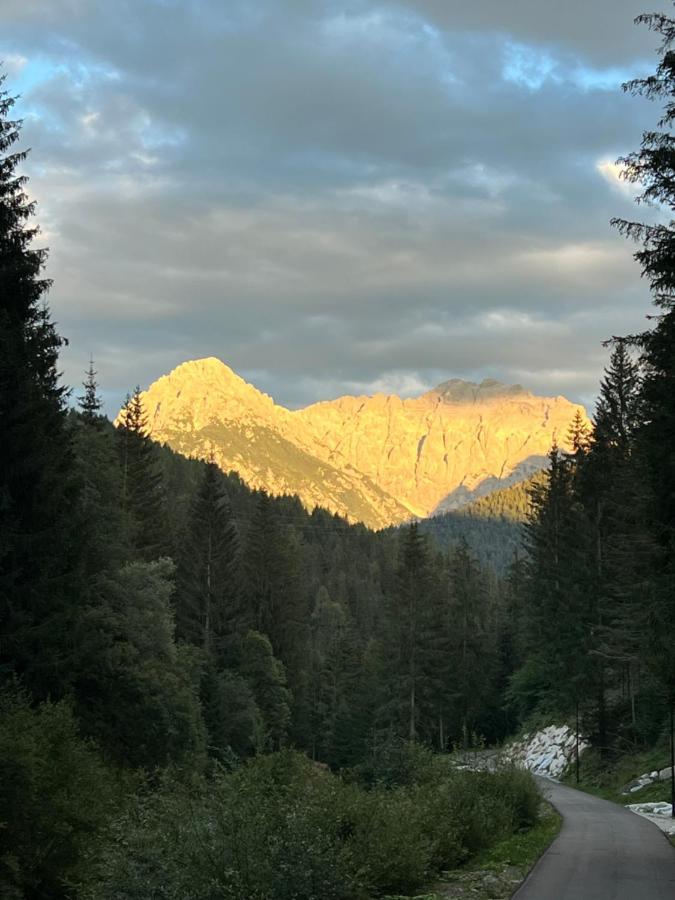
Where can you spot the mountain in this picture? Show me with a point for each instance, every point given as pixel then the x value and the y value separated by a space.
pixel 380 460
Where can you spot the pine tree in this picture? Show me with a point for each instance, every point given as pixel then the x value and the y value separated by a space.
pixel 273 589
pixel 37 547
pixel 470 657
pixel 143 496
pixel 614 490
pixel 556 614
pixel 652 168
pixel 409 607
pixel 90 403
pixel 208 601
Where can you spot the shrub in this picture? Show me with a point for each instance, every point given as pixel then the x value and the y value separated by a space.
pixel 55 796
pixel 280 828
pixel 390 849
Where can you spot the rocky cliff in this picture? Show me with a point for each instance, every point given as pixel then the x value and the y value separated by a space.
pixel 378 460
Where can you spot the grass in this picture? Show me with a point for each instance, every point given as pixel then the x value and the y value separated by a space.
pixel 606 781
pixel 523 849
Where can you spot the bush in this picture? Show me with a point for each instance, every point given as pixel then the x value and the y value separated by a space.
pixel 390 849
pixel 280 828
pixel 55 796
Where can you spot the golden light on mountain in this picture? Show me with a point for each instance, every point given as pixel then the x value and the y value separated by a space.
pixel 379 460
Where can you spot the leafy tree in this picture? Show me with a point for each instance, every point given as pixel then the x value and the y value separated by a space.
pixel 231 714
pixel 55 798
pixel 138 692
pixel 266 676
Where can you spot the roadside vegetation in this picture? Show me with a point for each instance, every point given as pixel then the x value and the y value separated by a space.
pixel 277 826
pixel 609 779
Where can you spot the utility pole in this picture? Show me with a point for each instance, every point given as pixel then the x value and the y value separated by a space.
pixel 672 759
pixel 576 741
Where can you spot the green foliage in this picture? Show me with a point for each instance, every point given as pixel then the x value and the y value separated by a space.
pixel 267 679
pixel 279 827
pixel 143 493
pixel 207 605
pixel 38 547
pixel 137 691
pixel 55 796
pixel 231 715
pixel 494 540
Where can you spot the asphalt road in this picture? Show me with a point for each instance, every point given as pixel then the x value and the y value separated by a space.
pixel 603 852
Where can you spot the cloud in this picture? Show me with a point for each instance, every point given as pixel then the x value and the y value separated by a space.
pixel 379 195
pixel 613 173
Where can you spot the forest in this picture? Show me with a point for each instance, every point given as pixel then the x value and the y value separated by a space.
pixel 208 692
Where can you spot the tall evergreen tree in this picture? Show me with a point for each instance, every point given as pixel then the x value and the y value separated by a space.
pixel 273 589
pixel 407 632
pixel 37 550
pixel 208 605
pixel 652 168
pixel 614 488
pixel 469 661
pixel 143 496
pixel 89 402
pixel 556 614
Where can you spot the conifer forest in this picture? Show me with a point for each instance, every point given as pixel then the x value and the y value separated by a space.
pixel 207 691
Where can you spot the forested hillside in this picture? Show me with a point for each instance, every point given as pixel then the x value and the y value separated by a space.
pixel 492 527
pixel 209 692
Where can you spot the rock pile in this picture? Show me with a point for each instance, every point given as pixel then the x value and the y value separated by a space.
pixel 648 778
pixel 653 809
pixel 548 752
pixel 659 814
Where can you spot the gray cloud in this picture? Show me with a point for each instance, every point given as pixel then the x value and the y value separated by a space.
pixel 385 195
pixel 596 31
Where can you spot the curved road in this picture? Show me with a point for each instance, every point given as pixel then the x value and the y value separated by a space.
pixel 603 852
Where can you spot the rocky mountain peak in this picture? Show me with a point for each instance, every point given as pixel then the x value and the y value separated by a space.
pixel 379 460
pixel 489 390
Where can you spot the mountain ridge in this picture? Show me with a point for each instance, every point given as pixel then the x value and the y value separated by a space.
pixel 378 459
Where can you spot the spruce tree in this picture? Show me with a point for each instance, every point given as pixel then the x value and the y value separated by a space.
pixel 37 550
pixel 143 495
pixel 90 403
pixel 614 487
pixel 409 607
pixel 276 601
pixel 651 167
pixel 208 600
pixel 556 615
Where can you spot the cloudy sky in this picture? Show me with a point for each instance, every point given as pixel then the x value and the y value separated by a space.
pixel 334 196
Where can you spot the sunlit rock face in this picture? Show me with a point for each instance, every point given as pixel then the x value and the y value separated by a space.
pixel 379 460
